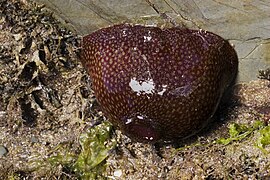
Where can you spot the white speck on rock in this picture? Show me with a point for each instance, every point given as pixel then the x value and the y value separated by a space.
pixel 118 173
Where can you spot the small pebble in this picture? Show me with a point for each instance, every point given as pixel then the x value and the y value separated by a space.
pixel 34 139
pixel 118 173
pixel 3 151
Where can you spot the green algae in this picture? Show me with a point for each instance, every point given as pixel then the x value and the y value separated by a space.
pixel 90 162
pixel 238 132
pixel 95 149
pixel 264 139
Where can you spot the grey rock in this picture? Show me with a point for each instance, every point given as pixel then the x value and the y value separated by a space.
pixel 3 151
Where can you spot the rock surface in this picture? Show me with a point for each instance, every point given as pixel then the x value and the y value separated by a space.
pixel 245 24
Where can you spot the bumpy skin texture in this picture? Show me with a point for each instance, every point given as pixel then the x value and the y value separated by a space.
pixel 158 84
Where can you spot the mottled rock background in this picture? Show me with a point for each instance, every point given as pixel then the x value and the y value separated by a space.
pixel 245 23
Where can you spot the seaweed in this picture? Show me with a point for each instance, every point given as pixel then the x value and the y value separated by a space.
pixel 95 149
pixel 238 132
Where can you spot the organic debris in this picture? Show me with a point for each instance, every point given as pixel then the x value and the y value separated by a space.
pixel 45 101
